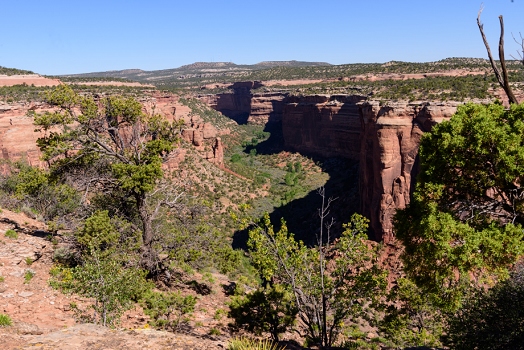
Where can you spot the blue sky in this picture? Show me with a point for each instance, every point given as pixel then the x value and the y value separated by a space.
pixel 76 36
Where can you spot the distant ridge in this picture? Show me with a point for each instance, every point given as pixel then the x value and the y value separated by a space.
pixel 218 75
pixel 193 68
pixel 292 63
pixel 14 71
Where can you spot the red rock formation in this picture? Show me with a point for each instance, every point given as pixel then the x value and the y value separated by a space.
pixel 244 107
pixel 388 162
pixel 384 139
pixel 324 125
pixel 17 133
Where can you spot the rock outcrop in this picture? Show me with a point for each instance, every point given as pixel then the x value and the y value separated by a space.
pixel 324 125
pixel 388 157
pixel 17 132
pixel 18 136
pixel 245 107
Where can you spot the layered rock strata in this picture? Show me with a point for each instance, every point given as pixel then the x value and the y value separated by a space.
pixel 324 125
pixel 245 107
pixel 383 138
pixel 390 137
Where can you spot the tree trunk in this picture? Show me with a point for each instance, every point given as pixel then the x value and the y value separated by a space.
pixel 502 78
pixel 149 258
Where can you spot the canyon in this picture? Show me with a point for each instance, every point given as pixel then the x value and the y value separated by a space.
pixel 382 137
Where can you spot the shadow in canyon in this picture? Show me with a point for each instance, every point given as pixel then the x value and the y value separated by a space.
pixel 301 215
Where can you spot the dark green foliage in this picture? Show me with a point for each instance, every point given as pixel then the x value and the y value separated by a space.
pixel 491 319
pixel 342 293
pixel 168 310
pixel 34 188
pixel 481 149
pixel 106 269
pixel 464 222
pixel 270 309
pixel 463 227
pixel 412 317
pixel 120 151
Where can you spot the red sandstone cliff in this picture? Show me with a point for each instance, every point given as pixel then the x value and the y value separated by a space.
pixel 323 125
pixel 384 139
pixel 18 138
pixel 245 107
pixel 17 135
pixel 388 157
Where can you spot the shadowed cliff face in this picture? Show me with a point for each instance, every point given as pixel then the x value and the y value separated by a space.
pixel 323 125
pixel 383 139
pixel 244 107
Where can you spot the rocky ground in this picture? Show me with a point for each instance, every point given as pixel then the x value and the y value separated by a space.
pixel 42 317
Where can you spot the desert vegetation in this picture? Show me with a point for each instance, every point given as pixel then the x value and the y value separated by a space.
pixel 14 71
pixel 137 217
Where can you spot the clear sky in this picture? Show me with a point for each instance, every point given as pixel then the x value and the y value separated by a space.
pixel 78 36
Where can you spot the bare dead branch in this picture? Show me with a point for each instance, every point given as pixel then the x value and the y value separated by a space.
pixel 520 52
pixel 501 78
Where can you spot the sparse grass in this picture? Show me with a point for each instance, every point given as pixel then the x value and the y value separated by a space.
pixel 11 234
pixel 252 344
pixel 214 331
pixel 29 261
pixel 219 314
pixel 5 320
pixel 28 275
pixel 2 279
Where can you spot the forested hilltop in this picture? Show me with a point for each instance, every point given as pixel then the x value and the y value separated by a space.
pixel 13 71
pixel 148 209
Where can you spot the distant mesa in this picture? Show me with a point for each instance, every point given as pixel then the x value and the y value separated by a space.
pixel 292 63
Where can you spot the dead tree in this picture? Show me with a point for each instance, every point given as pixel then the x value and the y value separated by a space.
pixel 502 78
pixel 520 51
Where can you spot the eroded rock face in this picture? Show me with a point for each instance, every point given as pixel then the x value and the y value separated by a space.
pixel 388 157
pixel 18 136
pixel 323 125
pixel 384 139
pixel 17 132
pixel 245 107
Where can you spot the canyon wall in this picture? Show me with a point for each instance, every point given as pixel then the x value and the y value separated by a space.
pixel 324 125
pixel 389 139
pixel 17 132
pixel 18 137
pixel 383 138
pixel 243 106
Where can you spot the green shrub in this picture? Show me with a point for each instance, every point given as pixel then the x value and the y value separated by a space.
pixel 168 310
pixel 5 320
pixel 11 234
pixel 251 344
pixel 214 331
pixel 491 319
pixel 266 310
pixel 28 275
pixel 113 287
